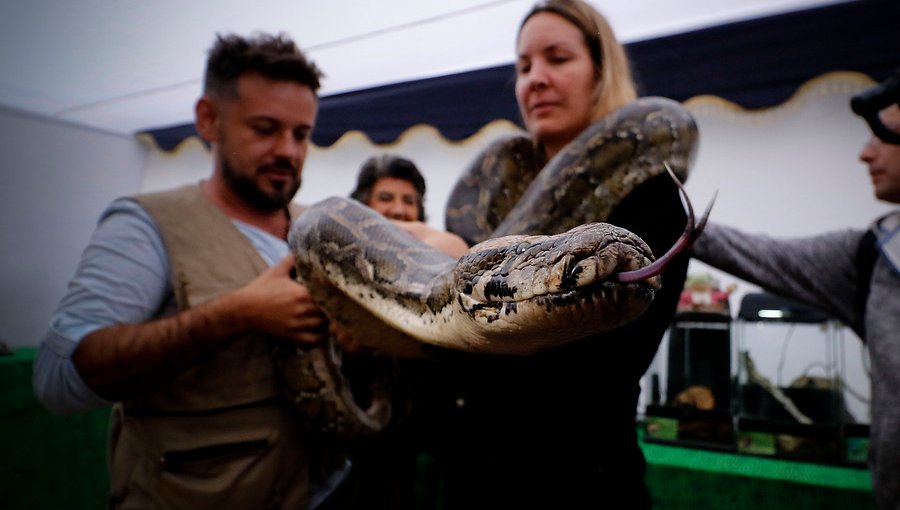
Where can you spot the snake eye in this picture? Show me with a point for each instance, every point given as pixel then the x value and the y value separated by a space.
pixel 467 289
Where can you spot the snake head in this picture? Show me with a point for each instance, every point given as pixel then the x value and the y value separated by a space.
pixel 522 294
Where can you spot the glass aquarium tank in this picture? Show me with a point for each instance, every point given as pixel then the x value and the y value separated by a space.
pixel 690 380
pixel 789 372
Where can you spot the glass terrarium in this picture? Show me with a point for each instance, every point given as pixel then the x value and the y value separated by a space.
pixel 789 371
pixel 690 381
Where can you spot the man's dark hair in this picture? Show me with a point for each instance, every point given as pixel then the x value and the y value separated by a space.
pixel 273 56
pixel 389 165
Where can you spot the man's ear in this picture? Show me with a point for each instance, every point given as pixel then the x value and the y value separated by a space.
pixel 206 115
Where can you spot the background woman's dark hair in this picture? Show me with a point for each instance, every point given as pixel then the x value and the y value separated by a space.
pixel 389 165
pixel 273 56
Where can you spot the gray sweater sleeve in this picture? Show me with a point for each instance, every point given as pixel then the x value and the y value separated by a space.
pixel 818 270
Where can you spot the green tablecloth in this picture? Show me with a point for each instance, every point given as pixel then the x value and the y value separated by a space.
pixel 687 478
pixel 60 463
pixel 47 461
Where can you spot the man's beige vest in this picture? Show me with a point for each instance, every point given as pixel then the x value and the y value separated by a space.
pixel 218 436
pixel 208 257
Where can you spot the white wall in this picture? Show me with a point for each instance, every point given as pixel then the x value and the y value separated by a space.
pixel 56 180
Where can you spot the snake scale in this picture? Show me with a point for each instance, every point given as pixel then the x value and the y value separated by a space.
pixel 544 269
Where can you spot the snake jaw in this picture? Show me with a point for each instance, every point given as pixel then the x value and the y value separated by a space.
pixel 564 316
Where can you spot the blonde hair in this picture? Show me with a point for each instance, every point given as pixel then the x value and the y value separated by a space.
pixel 615 86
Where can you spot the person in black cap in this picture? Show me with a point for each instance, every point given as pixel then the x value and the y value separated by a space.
pixel 853 275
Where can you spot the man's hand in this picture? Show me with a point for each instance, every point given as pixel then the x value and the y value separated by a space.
pixel 276 304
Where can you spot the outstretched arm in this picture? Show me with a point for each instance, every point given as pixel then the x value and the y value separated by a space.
pixel 818 270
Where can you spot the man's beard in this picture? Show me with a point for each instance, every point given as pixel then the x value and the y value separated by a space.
pixel 245 186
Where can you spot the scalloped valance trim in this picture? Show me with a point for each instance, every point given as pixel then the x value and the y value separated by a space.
pixel 836 83
pixel 841 83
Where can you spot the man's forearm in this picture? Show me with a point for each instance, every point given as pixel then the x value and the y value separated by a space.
pixel 123 359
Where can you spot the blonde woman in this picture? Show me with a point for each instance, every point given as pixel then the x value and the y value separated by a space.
pixel 557 429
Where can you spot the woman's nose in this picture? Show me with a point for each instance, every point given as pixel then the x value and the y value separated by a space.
pixel 395 210
pixel 537 77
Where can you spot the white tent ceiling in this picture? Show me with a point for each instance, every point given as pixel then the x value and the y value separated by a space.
pixel 123 66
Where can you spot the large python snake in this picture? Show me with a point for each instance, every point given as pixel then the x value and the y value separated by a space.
pixel 543 270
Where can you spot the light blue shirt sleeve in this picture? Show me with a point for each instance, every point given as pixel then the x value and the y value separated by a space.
pixel 122 278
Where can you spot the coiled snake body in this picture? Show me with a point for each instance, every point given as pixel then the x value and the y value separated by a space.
pixel 544 271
